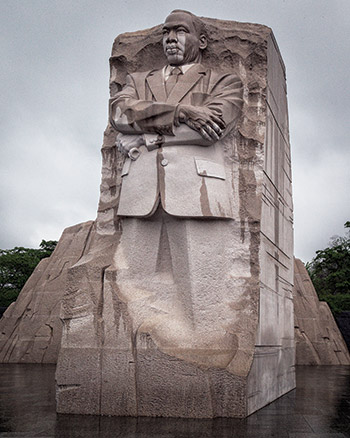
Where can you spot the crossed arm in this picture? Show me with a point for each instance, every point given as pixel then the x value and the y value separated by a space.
pixel 145 122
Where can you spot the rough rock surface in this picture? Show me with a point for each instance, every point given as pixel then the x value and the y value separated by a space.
pixel 111 364
pixel 318 339
pixel 30 330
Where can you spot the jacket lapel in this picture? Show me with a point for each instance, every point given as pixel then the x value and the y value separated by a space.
pixel 156 84
pixel 185 83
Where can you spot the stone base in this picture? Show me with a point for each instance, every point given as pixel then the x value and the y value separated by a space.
pixel 151 383
pixel 114 382
pixel 272 375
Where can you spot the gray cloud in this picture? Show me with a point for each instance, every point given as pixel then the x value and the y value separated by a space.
pixel 54 94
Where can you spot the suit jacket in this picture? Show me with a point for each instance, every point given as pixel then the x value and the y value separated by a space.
pixel 187 173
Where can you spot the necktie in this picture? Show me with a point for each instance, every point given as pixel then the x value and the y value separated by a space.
pixel 172 79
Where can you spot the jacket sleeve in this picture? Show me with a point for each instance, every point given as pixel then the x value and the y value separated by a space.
pixel 225 99
pixel 131 115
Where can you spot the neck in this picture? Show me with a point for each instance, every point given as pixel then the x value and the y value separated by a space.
pixel 196 60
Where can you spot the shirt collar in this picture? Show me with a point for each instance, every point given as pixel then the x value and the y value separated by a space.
pixel 168 68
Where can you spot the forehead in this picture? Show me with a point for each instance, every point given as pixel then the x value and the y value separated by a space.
pixel 179 19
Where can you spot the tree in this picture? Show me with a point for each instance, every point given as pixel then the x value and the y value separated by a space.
pixel 330 272
pixel 16 266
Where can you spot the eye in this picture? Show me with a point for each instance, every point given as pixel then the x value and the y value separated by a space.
pixel 181 30
pixel 165 31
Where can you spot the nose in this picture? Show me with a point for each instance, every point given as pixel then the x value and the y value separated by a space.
pixel 171 36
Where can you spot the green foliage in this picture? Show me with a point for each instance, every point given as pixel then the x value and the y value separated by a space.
pixel 337 303
pixel 330 272
pixel 46 248
pixel 16 266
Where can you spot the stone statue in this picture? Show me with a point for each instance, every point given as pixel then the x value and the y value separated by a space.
pixel 171 120
pixel 174 189
pixel 181 303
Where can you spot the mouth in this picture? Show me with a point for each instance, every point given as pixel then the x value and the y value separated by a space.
pixel 171 50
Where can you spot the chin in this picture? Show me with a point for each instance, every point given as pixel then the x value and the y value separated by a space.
pixel 175 60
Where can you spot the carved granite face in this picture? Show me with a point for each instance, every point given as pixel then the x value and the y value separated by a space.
pixel 181 42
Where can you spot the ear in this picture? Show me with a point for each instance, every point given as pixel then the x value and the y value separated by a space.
pixel 203 42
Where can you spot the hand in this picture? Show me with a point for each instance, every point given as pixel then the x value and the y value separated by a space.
pixel 127 142
pixel 202 120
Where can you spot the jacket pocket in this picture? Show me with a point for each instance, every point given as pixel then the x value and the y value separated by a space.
pixel 210 169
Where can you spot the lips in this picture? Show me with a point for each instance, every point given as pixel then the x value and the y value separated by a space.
pixel 171 50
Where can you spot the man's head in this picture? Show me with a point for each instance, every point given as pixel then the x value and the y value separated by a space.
pixel 183 38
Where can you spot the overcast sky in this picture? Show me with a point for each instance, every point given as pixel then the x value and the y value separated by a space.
pixel 54 93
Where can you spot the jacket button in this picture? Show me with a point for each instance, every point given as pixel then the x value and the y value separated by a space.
pixel 164 162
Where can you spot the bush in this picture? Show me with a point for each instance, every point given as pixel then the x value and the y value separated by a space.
pixel 330 273
pixel 17 265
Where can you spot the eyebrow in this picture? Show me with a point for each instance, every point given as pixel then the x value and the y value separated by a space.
pixel 176 26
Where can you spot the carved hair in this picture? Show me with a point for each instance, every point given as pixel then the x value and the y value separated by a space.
pixel 197 22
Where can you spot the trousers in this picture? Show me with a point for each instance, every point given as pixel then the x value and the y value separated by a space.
pixel 177 278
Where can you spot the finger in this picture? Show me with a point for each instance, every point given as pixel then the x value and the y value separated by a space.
pixel 219 122
pixel 216 128
pixel 213 135
pixel 210 131
pixel 193 125
pixel 204 134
